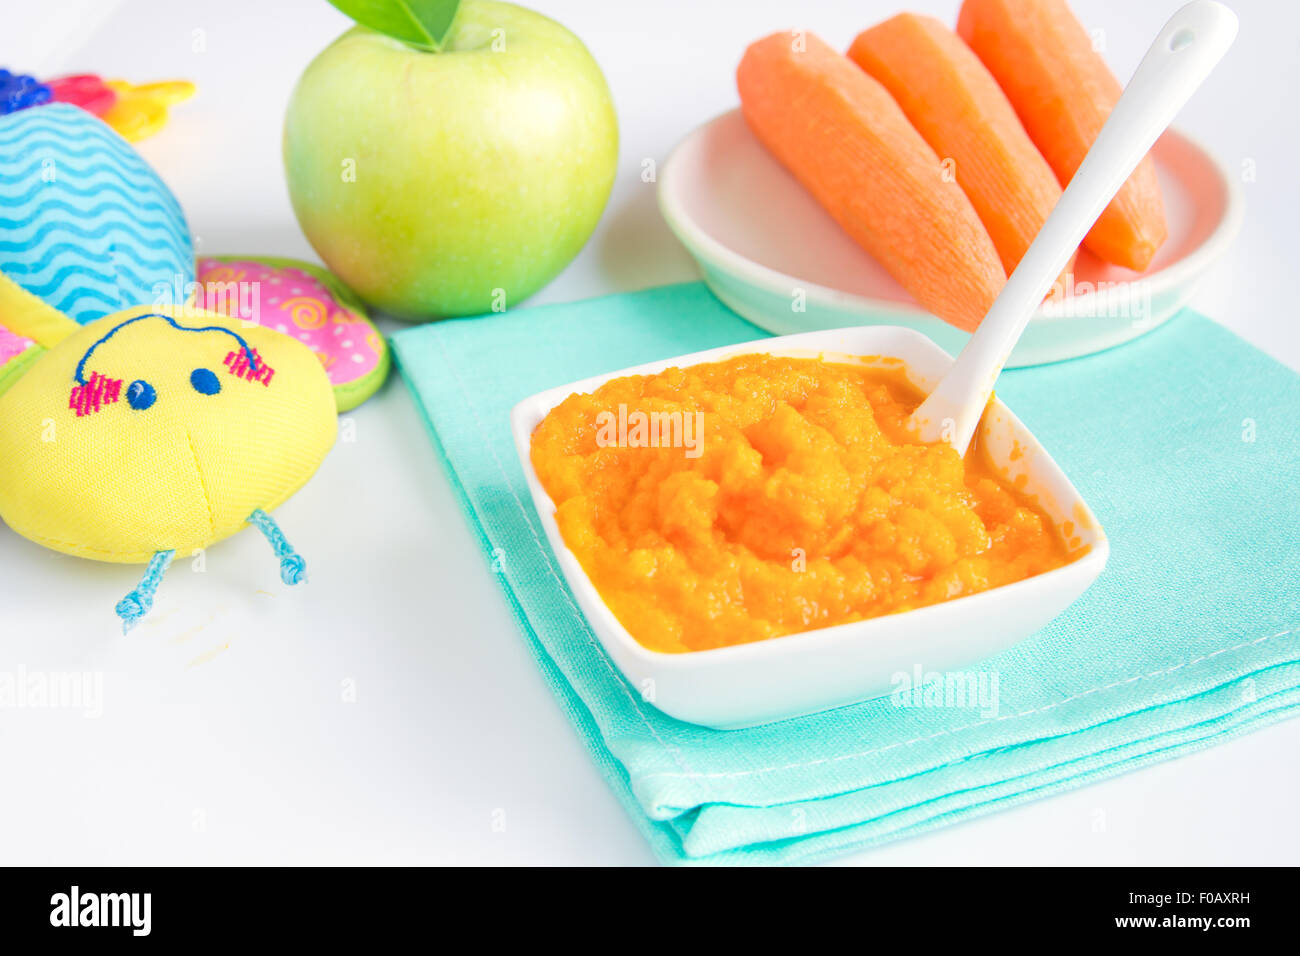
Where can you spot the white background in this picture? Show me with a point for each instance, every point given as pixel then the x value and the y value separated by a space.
pixel 225 735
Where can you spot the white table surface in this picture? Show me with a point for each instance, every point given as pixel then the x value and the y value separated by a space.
pixel 388 711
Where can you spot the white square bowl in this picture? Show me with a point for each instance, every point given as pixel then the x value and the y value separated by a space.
pixel 749 684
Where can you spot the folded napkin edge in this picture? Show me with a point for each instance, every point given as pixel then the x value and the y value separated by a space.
pixel 817 845
pixel 1192 693
pixel 666 812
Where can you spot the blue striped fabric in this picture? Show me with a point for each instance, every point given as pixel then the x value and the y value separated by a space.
pixel 85 222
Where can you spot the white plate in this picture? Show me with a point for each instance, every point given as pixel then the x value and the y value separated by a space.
pixel 766 248
pixel 804 673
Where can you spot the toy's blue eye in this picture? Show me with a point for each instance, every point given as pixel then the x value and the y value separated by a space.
pixel 205 381
pixel 140 395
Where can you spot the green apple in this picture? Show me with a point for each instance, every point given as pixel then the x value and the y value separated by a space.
pixel 452 182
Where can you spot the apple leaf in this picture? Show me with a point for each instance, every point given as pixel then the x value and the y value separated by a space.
pixel 421 23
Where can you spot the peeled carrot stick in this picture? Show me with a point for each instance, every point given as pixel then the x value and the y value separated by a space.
pixel 841 134
pixel 1063 92
pixel 957 106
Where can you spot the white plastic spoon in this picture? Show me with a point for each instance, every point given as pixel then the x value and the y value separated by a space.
pixel 1182 56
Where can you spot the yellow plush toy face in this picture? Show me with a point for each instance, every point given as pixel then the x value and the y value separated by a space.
pixel 156 429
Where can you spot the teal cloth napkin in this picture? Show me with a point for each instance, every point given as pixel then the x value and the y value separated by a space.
pixel 1186 443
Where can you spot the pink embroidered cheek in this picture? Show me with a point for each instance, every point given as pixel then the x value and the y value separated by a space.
pixel 94 394
pixel 238 364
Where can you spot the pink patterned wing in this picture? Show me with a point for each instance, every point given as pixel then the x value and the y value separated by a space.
pixel 292 301
pixel 12 345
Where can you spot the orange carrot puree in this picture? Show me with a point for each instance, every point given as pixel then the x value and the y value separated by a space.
pixel 800 502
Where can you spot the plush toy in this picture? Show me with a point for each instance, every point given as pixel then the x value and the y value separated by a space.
pixel 149 432
pixel 147 408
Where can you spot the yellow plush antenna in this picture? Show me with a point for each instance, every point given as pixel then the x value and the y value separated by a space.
pixel 28 317
pixel 32 317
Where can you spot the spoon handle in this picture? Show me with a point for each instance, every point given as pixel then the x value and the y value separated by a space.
pixel 1182 56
